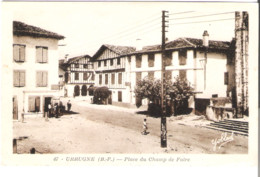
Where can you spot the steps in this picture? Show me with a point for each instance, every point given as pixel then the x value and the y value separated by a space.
pixel 236 126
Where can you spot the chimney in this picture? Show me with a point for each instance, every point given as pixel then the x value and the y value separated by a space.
pixel 139 44
pixel 205 38
pixel 66 58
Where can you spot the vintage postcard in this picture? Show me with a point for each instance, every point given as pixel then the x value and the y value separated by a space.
pixel 129 83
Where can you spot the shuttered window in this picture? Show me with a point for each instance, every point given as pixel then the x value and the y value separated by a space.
pixel 111 62
pixel 118 61
pixel 99 63
pixel 138 61
pixel 106 79
pixel 34 104
pixel 76 65
pixel 182 57
pixel 119 96
pixel 151 60
pixel 100 79
pixel 19 78
pixel 183 74
pixel 92 76
pixel 168 75
pixel 168 61
pixel 105 63
pixel 138 76
pixel 85 76
pixel 19 53
pixel 151 75
pixel 42 78
pixel 41 54
pixel 76 76
pixel 113 79
pixel 119 78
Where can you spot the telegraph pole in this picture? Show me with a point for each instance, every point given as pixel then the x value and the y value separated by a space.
pixel 163 86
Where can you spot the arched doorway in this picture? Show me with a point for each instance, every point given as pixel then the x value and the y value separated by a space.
pixel 84 90
pixel 76 90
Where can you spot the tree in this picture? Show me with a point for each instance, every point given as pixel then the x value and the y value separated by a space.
pixel 178 91
pixel 101 94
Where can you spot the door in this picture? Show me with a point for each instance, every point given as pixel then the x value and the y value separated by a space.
pixel 47 101
pixel 84 90
pixel 15 108
pixel 119 96
pixel 76 90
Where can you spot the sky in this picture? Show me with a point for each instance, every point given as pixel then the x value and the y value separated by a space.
pixel 86 26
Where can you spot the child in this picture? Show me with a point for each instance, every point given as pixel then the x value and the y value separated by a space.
pixel 145 128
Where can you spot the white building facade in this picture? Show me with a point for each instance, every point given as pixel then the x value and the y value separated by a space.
pixel 35 69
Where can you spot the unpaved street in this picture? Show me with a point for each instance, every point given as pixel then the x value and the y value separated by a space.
pixel 111 129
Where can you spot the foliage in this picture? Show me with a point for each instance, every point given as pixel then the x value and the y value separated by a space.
pixel 101 94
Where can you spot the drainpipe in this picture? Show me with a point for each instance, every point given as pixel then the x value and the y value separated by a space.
pixel 205 45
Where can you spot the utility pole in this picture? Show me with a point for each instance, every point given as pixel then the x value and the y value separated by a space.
pixel 163 86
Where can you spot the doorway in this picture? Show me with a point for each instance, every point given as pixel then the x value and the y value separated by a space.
pixel 15 108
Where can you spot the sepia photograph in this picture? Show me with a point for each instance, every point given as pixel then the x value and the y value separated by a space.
pixel 129 78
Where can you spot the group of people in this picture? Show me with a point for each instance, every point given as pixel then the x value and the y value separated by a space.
pixel 57 109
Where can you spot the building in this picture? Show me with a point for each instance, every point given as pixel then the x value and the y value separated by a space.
pixel 78 76
pixel 35 69
pixel 202 62
pixel 111 66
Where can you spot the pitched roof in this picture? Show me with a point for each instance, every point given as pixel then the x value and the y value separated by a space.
pixel 187 43
pixel 120 50
pixel 22 29
pixel 71 60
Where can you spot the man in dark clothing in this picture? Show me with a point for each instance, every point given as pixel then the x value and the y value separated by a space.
pixel 69 106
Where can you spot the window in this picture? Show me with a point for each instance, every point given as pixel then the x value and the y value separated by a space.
pixel 34 104
pixel 138 62
pixel 168 55
pixel 19 78
pixel 100 79
pixel 76 76
pixel 151 75
pixel 42 79
pixel 118 61
pixel 41 54
pixel 105 63
pixel 106 79
pixel 76 65
pixel 182 57
pixel 19 53
pixel 111 62
pixel 226 78
pixel 92 76
pixel 99 63
pixel 151 60
pixel 119 78
pixel 113 79
pixel 85 76
pixel 182 74
pixel 138 76
pixel 85 66
pixel 168 75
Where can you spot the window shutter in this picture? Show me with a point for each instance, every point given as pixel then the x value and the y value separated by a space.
pixel 39 79
pixel 85 76
pixel 45 55
pixel 120 78
pixel 92 76
pixel 22 53
pixel 151 60
pixel 151 75
pixel 168 75
pixel 16 52
pixel 138 76
pixel 113 79
pixel 22 78
pixel 16 79
pixel 106 79
pixel 31 106
pixel 100 79
pixel 44 79
pixel 38 54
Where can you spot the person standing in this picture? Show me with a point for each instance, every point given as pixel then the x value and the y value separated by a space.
pixel 56 108
pixel 145 128
pixel 69 106
pixel 49 110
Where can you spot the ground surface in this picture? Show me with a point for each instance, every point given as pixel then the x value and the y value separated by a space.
pixel 111 129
